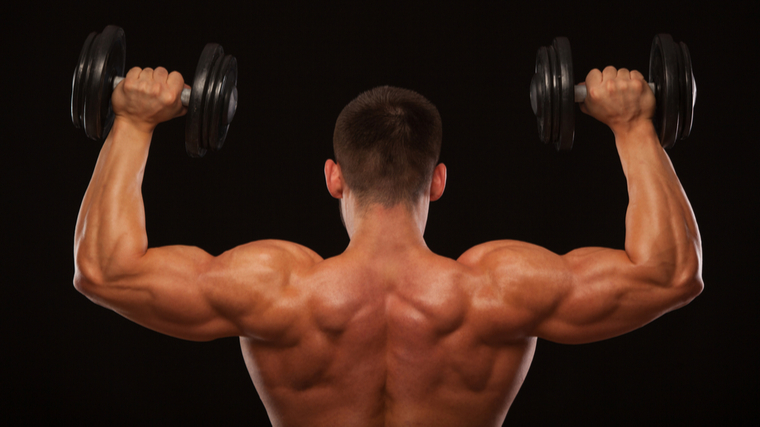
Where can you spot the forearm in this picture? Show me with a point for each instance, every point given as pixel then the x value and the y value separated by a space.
pixel 110 231
pixel 661 231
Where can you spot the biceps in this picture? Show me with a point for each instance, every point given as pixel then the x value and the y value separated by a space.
pixel 167 290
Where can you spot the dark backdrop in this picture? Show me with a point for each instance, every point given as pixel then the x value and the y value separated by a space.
pixel 66 358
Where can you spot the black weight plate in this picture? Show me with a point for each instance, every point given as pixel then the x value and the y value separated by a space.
pixel 193 125
pixel 226 84
pixel 543 98
pixel 688 93
pixel 566 91
pixel 77 82
pixel 211 107
pixel 108 53
pixel 537 90
pixel 554 93
pixel 663 72
pixel 536 93
pixel 548 106
pixel 115 67
pixel 230 94
pixel 91 90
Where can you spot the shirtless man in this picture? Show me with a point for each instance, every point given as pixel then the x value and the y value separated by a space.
pixel 388 333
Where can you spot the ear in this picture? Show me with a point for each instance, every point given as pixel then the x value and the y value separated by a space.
pixel 438 184
pixel 334 179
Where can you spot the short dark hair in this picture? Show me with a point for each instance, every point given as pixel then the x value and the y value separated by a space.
pixel 387 142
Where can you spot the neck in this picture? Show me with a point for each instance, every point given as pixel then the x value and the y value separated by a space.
pixel 392 230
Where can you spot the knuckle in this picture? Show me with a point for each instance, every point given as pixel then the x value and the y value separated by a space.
pixel 155 90
pixel 168 98
pixel 130 85
pixel 174 75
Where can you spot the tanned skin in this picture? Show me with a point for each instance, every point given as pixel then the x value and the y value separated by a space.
pixel 388 333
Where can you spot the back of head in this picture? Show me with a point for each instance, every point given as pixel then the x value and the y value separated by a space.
pixel 387 142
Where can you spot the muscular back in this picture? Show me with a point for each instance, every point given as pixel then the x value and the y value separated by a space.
pixel 410 339
pixel 388 333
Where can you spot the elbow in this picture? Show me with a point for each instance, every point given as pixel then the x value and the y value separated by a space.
pixel 682 276
pixel 87 278
pixel 689 278
pixel 693 287
pixel 89 273
pixel 94 277
pixel 689 282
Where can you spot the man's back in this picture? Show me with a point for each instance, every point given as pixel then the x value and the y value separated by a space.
pixel 388 333
pixel 406 338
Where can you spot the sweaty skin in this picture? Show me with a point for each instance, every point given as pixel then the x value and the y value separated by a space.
pixel 388 333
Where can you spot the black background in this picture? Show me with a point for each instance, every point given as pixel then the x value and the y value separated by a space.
pixel 64 358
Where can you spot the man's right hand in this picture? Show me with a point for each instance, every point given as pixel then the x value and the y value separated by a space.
pixel 621 99
pixel 148 97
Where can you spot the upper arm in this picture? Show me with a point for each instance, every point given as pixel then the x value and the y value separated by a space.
pixel 185 292
pixel 587 295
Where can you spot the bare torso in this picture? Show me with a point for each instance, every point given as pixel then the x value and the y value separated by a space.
pixel 412 339
pixel 388 333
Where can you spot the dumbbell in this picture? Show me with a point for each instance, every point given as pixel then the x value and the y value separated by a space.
pixel 552 94
pixel 211 103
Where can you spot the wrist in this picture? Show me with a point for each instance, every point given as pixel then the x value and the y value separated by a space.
pixel 636 127
pixel 136 133
pixel 637 142
pixel 641 133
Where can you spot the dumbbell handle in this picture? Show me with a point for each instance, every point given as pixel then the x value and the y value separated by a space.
pixel 580 92
pixel 185 96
